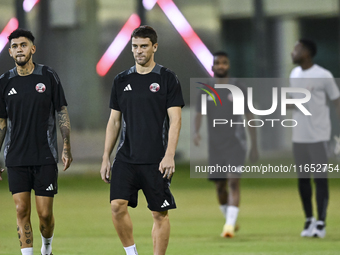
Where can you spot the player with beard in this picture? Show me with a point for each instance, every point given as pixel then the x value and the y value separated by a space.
pixel 146 101
pixel 30 94
pixel 226 144
pixel 311 136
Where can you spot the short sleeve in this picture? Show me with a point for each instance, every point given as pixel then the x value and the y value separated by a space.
pixel 113 98
pixel 331 88
pixel 3 111
pixel 58 97
pixel 174 92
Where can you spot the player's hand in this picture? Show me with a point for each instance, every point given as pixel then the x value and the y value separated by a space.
pixel 66 157
pixel 1 171
pixel 253 154
pixel 197 139
pixel 337 145
pixel 167 166
pixel 105 170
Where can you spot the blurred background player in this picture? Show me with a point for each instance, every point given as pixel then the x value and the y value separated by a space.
pixel 146 100
pixel 226 144
pixel 312 133
pixel 30 95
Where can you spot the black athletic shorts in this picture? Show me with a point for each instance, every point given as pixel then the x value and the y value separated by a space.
pixel 227 165
pixel 310 153
pixel 42 179
pixel 127 179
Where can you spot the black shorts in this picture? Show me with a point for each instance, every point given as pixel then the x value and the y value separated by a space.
pixel 227 165
pixel 127 179
pixel 310 153
pixel 42 179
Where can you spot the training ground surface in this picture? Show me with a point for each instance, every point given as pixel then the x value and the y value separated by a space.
pixel 270 219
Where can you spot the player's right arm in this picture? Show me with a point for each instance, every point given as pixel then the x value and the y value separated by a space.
pixel 112 132
pixel 3 128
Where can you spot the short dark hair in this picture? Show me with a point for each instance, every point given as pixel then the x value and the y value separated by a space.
pixel 310 45
pixel 220 53
pixel 145 32
pixel 21 33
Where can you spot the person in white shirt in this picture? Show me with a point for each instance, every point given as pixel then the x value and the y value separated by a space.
pixel 312 133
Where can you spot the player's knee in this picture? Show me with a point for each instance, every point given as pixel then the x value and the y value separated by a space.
pixel 221 186
pixel 321 183
pixel 160 216
pixel 304 182
pixel 118 207
pixel 45 216
pixel 233 184
pixel 23 210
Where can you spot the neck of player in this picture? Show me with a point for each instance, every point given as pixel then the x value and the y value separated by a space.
pixel 27 69
pixel 146 68
pixel 308 63
pixel 221 79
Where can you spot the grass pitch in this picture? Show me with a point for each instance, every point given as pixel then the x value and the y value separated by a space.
pixel 270 219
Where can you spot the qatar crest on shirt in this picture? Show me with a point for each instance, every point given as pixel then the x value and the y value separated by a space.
pixel 154 87
pixel 40 87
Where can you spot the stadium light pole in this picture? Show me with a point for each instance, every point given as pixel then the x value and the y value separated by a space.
pixel 20 13
pixel 141 12
pixel 261 71
pixel 260 36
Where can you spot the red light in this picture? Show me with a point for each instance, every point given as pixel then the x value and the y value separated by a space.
pixel 187 33
pixel 9 28
pixel 29 4
pixel 118 45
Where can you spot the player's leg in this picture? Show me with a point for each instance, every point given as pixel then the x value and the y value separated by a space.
pixel 160 232
pixel 302 158
pixel 236 159
pixel 22 202
pixel 322 196
pixel 46 222
pixel 123 193
pixel 234 191
pixel 233 206
pixel 20 184
pixel 45 187
pixel 158 195
pixel 305 191
pixel 319 157
pixel 122 221
pixel 222 195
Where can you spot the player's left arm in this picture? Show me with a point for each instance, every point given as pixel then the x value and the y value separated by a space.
pixel 167 165
pixel 65 129
pixel 253 154
pixel 336 103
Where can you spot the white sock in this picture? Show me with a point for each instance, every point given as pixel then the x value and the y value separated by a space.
pixel 232 213
pixel 27 251
pixel 131 250
pixel 46 247
pixel 223 209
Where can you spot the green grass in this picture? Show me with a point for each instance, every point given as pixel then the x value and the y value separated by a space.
pixel 270 218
